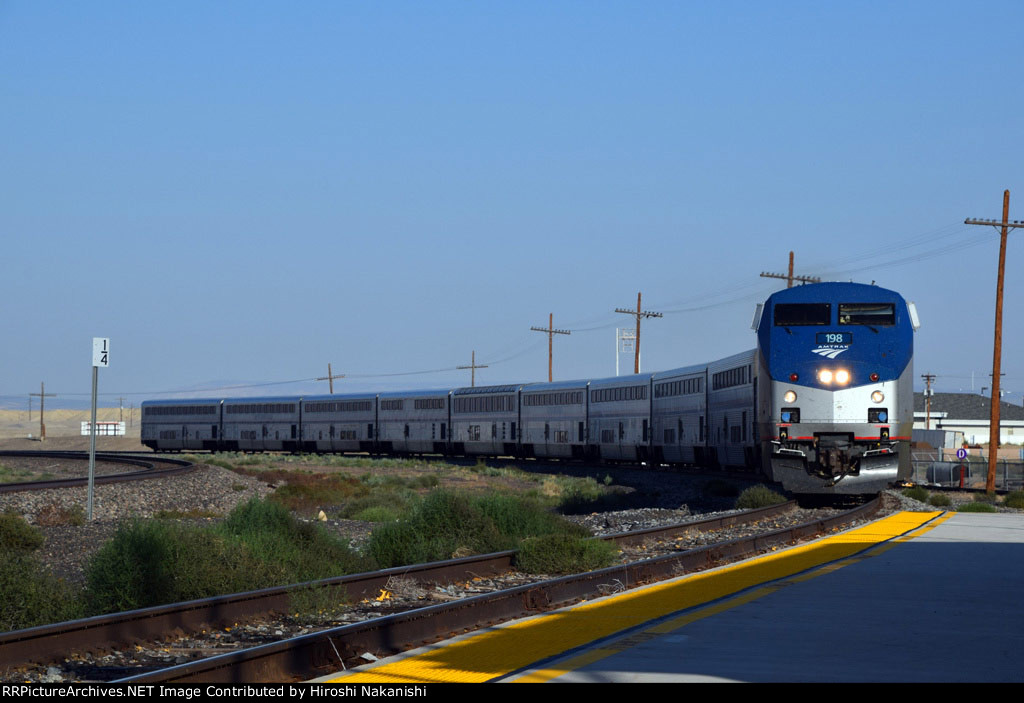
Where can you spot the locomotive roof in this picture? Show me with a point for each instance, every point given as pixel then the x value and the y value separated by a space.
pixel 835 292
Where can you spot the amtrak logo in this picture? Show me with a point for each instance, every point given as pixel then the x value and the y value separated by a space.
pixel 830 352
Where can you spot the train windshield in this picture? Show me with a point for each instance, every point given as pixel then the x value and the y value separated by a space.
pixel 867 314
pixel 789 314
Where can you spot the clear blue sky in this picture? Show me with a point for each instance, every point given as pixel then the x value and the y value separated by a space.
pixel 240 193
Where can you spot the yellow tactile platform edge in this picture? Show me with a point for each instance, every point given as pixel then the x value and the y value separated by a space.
pixel 500 651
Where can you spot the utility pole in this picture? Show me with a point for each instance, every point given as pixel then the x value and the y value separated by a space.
pixel 43 395
pixel 120 409
pixel 997 347
pixel 551 331
pixel 330 378
pixel 30 407
pixel 639 315
pixel 789 278
pixel 474 366
pixel 928 378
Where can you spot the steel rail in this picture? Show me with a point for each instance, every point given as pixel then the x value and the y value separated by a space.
pixel 49 642
pixel 149 469
pixel 337 648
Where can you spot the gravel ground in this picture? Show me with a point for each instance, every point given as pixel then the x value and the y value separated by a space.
pixel 208 490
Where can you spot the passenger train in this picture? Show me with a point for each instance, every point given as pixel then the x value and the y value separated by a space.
pixel 822 405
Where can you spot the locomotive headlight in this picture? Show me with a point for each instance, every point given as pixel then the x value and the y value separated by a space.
pixel 789 397
pixel 877 397
pixel 842 377
pixel 825 376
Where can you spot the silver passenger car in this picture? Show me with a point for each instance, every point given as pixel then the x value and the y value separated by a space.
pixel 620 417
pixel 414 422
pixel 172 425
pixel 485 420
pixel 260 424
pixel 732 384
pixel 339 423
pixel 679 415
pixel 554 419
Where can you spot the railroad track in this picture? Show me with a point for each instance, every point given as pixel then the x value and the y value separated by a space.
pixel 303 656
pixel 148 468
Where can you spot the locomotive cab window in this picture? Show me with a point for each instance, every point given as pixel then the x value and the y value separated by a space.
pixel 880 314
pixel 792 314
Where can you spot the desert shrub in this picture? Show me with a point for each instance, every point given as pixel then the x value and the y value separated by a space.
pixel 758 497
pixel 297 550
pixel 977 507
pixel 446 524
pixel 917 493
pixel 17 536
pixel 519 517
pixel 31 596
pixel 563 554
pixel 258 545
pixel 1014 500
pixel 940 500
pixel 441 525
pixel 152 562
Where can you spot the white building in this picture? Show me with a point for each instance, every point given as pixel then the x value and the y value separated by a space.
pixel 970 413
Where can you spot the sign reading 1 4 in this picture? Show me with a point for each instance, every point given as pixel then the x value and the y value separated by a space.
pixel 101 351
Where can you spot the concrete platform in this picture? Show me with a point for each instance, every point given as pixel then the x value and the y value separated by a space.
pixel 912 597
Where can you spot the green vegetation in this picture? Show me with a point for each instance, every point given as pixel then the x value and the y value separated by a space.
pixel 29 595
pixel 940 500
pixel 563 554
pixel 18 536
pixel 977 507
pixel 1014 500
pixel 758 497
pixel 260 544
pixel 9 475
pixel 446 524
pixel 917 493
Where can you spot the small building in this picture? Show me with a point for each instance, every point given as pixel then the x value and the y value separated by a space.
pixel 970 413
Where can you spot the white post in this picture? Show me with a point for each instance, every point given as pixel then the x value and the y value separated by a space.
pixel 92 444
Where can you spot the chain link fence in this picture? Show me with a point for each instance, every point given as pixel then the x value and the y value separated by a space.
pixel 932 468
